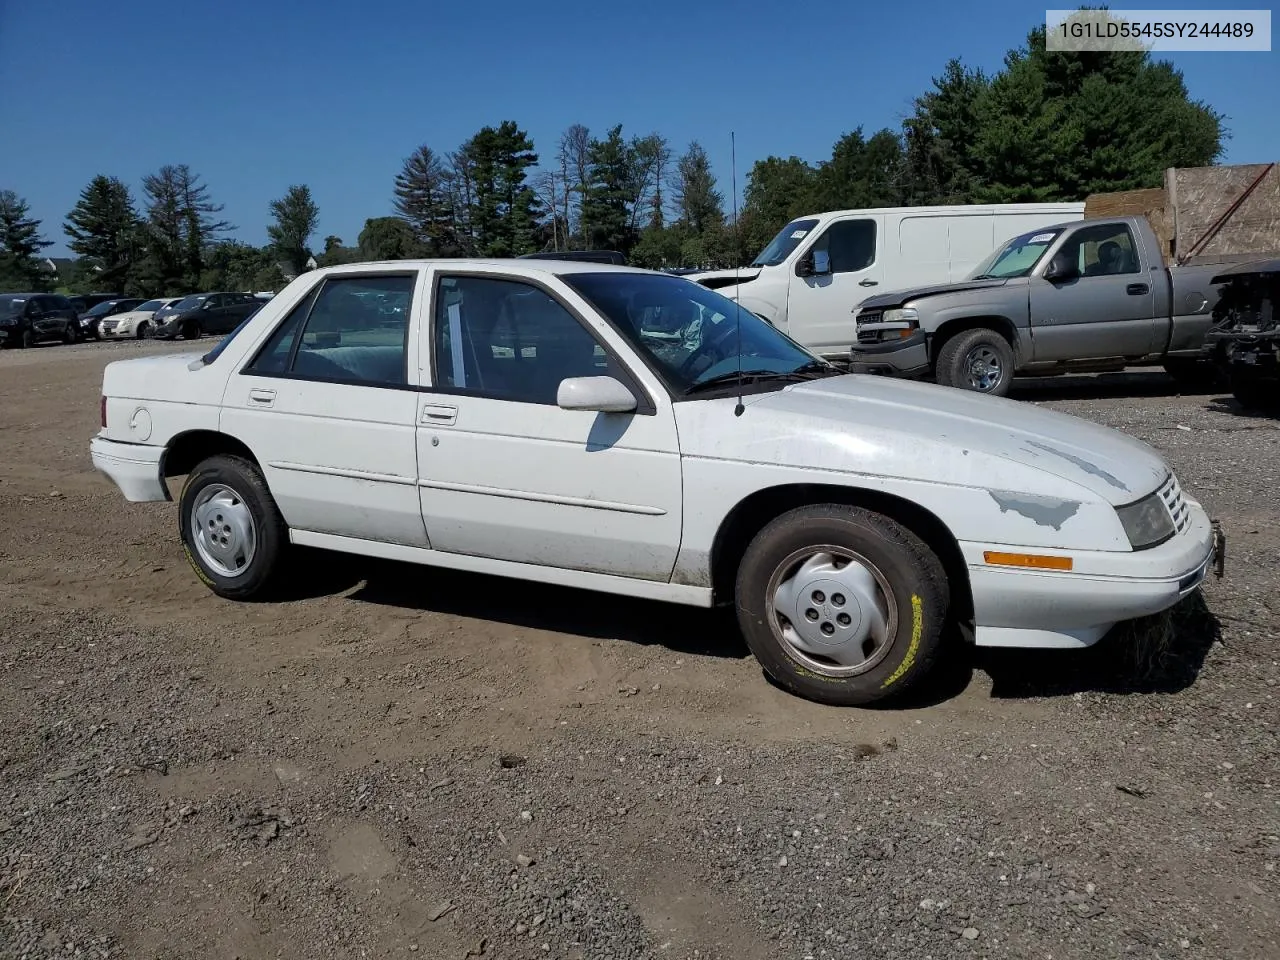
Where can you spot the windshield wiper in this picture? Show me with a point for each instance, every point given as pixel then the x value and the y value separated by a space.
pixel 809 371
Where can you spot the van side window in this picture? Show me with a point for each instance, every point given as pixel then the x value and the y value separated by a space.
pixel 851 245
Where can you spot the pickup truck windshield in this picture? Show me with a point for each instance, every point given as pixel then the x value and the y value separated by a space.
pixel 780 247
pixel 1017 258
pixel 691 334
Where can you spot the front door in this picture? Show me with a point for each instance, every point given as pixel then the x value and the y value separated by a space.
pixel 820 307
pixel 328 407
pixel 1107 311
pixel 507 474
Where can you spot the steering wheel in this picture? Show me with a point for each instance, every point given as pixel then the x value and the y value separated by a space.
pixel 710 353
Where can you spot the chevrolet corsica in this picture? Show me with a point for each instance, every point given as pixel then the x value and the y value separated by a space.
pixel 626 431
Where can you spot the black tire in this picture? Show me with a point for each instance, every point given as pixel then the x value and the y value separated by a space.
pixel 245 481
pixel 1255 393
pixel 191 330
pixel 915 578
pixel 141 332
pixel 27 339
pixel 71 334
pixel 958 354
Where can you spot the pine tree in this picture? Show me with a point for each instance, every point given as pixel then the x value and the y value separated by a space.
pixel 296 216
pixel 423 199
pixel 606 213
pixel 20 246
pixel 103 226
pixel 700 204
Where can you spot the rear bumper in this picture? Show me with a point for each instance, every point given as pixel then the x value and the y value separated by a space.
pixel 1036 608
pixel 133 467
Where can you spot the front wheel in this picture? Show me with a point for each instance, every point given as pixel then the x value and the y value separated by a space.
pixel 141 333
pixel 232 531
pixel 190 330
pixel 842 605
pixel 980 360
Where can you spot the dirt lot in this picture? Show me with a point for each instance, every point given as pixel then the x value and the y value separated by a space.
pixel 402 761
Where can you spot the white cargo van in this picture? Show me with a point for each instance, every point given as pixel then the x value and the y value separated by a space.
pixel 812 276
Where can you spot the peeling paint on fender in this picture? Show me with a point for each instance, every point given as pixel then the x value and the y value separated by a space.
pixel 1046 511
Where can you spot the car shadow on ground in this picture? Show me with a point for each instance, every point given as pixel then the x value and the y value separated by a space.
pixel 519 603
pixel 1234 407
pixel 1106 386
pixel 1159 654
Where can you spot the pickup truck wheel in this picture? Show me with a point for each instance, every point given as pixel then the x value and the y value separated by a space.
pixel 841 605
pixel 232 531
pixel 980 360
pixel 1193 374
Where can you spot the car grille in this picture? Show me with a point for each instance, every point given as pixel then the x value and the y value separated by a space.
pixel 110 324
pixel 1171 494
pixel 869 336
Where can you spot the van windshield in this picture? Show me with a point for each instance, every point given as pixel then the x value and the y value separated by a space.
pixel 1017 258
pixel 780 247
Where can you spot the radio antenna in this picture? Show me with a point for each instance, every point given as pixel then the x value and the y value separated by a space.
pixel 737 265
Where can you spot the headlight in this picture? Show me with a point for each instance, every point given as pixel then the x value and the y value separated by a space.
pixel 1147 522
pixel 902 315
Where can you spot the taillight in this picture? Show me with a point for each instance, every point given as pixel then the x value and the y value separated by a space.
pixel 104 412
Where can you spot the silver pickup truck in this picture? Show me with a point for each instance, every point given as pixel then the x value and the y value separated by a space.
pixel 1084 296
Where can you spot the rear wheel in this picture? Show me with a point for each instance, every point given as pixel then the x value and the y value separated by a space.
pixel 232 531
pixel 980 360
pixel 841 605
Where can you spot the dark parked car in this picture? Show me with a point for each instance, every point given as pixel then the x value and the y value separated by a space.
pixel 90 319
pixel 202 313
pixel 27 318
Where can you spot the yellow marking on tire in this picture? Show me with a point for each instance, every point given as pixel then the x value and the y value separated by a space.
pixel 917 627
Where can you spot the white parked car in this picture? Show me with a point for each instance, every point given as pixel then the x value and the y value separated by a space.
pixel 536 419
pixel 136 324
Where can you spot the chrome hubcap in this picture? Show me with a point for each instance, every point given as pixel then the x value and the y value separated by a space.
pixel 223 530
pixel 833 610
pixel 984 368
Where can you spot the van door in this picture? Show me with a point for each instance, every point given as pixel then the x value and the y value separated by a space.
pixel 820 305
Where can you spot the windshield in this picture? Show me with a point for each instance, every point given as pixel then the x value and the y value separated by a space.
pixel 690 333
pixel 104 307
pixel 1017 258
pixel 780 247
pixel 151 305
pixel 187 303
pixel 12 306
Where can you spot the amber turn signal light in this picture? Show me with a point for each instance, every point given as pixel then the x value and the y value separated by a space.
pixel 1033 560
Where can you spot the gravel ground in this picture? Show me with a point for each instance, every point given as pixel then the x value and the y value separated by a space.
pixel 401 761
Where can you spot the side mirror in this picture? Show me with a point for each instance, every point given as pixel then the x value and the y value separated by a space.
pixel 598 394
pixel 821 262
pixel 1061 268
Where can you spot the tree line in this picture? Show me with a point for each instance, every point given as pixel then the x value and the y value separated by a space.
pixel 1047 126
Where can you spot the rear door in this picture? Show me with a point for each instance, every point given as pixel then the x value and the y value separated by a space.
pixel 329 406
pixel 1106 312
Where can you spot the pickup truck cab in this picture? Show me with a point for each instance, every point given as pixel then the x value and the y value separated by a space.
pixel 819 268
pixel 1088 295
pixel 633 432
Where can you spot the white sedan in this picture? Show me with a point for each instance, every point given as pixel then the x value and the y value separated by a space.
pixel 538 419
pixel 136 324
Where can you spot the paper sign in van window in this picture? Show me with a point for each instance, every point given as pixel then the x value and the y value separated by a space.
pixel 798 234
pixel 1041 238
pixel 455 345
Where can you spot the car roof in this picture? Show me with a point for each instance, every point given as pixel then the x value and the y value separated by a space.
pixel 514 264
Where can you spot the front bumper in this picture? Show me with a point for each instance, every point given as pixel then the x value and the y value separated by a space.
pixel 118 332
pixel 907 357
pixel 133 467
pixel 1039 608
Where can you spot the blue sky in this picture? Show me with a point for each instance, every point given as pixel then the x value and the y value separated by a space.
pixel 258 96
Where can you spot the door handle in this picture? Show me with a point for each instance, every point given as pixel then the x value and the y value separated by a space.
pixel 439 414
pixel 1137 289
pixel 868 282
pixel 260 397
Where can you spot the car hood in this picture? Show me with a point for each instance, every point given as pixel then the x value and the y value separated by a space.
pixel 920 431
pixel 896 298
pixel 131 316
pixel 721 277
